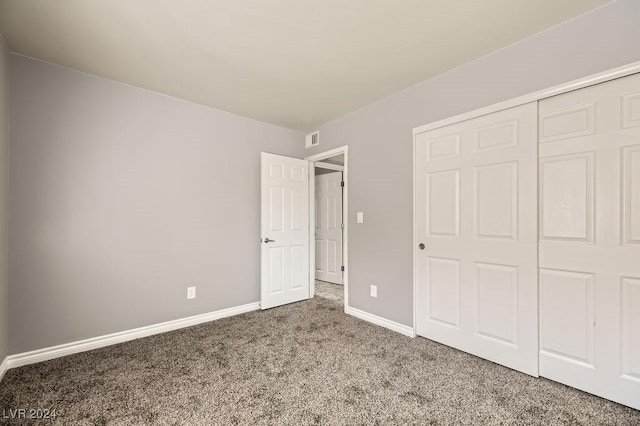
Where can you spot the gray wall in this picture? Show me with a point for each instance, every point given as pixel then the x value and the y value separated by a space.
pixel 120 198
pixel 380 138
pixel 4 170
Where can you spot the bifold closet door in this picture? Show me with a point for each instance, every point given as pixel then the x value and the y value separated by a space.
pixel 590 239
pixel 476 215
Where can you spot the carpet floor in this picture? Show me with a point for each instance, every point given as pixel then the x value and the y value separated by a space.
pixel 330 291
pixel 304 363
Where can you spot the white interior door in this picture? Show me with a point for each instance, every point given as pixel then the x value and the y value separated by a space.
pixel 475 211
pixel 285 230
pixel 328 202
pixel 590 239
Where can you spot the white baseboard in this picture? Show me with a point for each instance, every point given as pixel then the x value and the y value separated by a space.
pixel 39 355
pixel 382 322
pixel 3 368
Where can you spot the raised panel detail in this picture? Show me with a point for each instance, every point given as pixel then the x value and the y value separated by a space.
pixel 320 255
pixel 497 302
pixel 297 207
pixel 497 136
pixel 566 199
pixel 276 269
pixel 567 307
pixel 297 174
pixel 444 147
pixel 297 266
pixel 276 171
pixel 443 203
pixel 318 214
pixel 332 213
pixel 496 203
pixel 276 209
pixel 444 290
pixel 332 256
pixel 630 328
pixel 631 194
pixel 631 110
pixel 568 123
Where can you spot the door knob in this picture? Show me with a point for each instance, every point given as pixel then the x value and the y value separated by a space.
pixel 267 240
pixel 421 246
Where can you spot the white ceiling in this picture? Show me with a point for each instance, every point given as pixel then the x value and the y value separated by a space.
pixel 295 63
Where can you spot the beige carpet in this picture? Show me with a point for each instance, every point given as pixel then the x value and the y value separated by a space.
pixel 330 291
pixel 304 363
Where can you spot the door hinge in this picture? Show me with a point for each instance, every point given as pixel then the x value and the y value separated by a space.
pixel 342 268
pixel 342 226
pixel 342 183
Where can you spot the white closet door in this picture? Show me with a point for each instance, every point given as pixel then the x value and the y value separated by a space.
pixel 590 239
pixel 328 199
pixel 476 279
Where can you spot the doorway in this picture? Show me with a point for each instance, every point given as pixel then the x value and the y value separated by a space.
pixel 328 224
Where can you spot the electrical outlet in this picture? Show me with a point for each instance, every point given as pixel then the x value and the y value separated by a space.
pixel 360 217
pixel 191 292
pixel 374 291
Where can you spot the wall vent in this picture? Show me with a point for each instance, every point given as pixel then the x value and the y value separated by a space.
pixel 312 139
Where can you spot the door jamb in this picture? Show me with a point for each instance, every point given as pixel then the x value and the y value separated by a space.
pixel 329 166
pixel 313 159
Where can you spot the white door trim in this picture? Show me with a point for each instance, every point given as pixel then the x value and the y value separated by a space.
pixel 602 77
pixel 329 166
pixel 580 83
pixel 345 217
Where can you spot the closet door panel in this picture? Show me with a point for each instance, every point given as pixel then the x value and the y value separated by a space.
pixel 589 210
pixel 476 278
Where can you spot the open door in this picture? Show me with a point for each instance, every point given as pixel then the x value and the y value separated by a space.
pixel 285 230
pixel 328 202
